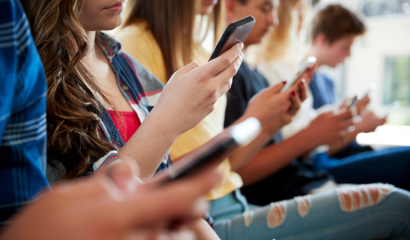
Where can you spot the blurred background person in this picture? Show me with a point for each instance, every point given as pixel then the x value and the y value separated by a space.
pixel 359 168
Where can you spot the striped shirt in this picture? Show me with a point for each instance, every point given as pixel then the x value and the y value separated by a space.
pixel 22 113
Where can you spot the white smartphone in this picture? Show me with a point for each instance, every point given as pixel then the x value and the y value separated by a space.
pixel 310 61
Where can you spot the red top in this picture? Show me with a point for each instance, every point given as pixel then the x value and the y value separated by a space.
pixel 127 123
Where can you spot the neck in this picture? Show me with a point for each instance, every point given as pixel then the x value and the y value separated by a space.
pixel 91 53
pixel 313 52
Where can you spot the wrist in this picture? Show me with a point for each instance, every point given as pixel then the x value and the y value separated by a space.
pixel 165 129
pixel 310 137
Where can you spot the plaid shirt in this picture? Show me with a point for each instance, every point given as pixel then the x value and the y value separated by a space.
pixel 140 88
pixel 22 113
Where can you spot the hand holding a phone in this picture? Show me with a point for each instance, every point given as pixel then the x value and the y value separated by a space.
pixel 190 94
pixel 369 122
pixel 274 108
pixel 96 208
pixel 330 127
pixel 362 105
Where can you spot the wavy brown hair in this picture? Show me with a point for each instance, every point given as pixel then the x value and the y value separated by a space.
pixel 172 23
pixel 72 107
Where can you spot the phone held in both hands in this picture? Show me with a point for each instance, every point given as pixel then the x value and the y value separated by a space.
pixel 308 63
pixel 216 150
pixel 235 33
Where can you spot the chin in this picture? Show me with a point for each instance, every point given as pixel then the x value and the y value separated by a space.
pixel 111 25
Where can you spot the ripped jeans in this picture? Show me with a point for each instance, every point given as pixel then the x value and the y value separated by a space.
pixel 375 211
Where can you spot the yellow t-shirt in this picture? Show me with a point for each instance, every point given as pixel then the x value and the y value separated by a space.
pixel 138 41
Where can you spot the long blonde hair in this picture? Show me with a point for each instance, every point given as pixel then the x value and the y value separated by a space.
pixel 172 23
pixel 278 41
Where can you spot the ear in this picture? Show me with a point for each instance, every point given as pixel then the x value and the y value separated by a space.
pixel 321 40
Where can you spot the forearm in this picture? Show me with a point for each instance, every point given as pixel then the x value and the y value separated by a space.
pixel 338 146
pixel 273 158
pixel 202 230
pixel 148 146
pixel 244 154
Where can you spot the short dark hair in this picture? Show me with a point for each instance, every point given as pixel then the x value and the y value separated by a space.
pixel 336 21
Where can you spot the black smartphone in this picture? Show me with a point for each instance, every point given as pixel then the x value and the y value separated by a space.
pixel 216 150
pixel 235 33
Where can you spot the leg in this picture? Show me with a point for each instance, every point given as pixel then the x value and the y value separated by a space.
pixel 391 165
pixel 352 149
pixel 366 212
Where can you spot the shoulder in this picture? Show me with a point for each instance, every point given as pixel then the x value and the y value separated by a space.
pixel 137 32
pixel 152 85
pixel 135 29
pixel 322 78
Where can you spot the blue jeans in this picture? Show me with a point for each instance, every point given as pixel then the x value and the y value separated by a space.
pixel 330 215
pixel 390 165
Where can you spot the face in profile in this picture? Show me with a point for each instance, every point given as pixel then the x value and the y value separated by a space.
pixel 98 15
pixel 338 51
pixel 207 6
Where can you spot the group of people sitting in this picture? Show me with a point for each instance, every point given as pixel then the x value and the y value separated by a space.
pixel 87 120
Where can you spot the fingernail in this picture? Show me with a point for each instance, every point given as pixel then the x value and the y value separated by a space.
pixel 293 93
pixel 284 82
pixel 241 45
pixel 303 82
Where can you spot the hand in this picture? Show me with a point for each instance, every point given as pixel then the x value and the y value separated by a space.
pixel 362 104
pixel 275 109
pixel 330 127
pixel 369 122
pixel 96 208
pixel 190 94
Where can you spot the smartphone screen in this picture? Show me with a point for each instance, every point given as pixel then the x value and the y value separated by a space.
pixel 310 61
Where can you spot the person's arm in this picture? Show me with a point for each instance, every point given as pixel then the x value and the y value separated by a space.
pixel 275 157
pixel 369 123
pixel 202 230
pixel 188 97
pixel 110 205
pixel 273 110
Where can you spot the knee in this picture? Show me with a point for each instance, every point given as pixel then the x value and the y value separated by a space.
pixel 359 197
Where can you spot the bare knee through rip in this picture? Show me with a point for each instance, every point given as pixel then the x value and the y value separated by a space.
pixel 356 198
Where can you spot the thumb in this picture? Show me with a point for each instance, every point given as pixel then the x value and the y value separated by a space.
pixel 276 88
pixel 122 174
